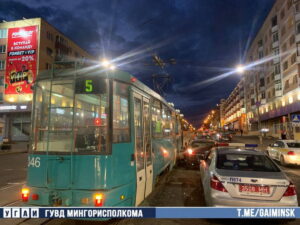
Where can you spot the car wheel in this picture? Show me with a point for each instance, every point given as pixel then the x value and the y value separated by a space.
pixel 282 162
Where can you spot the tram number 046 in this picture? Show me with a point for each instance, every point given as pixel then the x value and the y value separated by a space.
pixel 34 162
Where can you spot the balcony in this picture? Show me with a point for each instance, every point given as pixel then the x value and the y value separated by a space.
pixel 277 77
pixel 297 38
pixel 275 28
pixel 278 93
pixel 276 60
pixel 297 17
pixel 275 44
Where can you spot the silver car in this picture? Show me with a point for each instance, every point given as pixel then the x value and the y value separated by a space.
pixel 244 177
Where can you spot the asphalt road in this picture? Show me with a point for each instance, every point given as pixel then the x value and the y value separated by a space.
pixel 180 187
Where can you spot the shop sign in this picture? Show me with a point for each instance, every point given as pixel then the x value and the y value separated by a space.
pixel 21 61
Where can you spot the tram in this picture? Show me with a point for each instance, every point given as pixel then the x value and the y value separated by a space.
pixel 98 139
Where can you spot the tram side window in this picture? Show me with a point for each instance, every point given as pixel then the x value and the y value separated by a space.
pixel 41 114
pixel 156 119
pixel 91 115
pixel 121 132
pixel 167 121
pixel 60 124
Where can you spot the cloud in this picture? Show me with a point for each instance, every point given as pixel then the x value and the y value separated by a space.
pixel 206 38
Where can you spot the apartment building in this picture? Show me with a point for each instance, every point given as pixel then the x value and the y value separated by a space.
pixel 27 47
pixel 271 86
pixel 234 109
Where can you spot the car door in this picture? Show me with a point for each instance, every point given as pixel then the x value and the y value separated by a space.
pixel 277 149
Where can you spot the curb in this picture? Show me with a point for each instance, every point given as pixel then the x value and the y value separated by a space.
pixel 8 152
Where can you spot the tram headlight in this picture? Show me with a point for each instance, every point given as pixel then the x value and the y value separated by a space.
pixel 25 194
pixel 98 199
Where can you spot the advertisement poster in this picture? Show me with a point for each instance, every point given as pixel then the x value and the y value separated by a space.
pixel 21 59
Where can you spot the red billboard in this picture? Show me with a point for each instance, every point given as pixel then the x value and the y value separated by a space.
pixel 21 61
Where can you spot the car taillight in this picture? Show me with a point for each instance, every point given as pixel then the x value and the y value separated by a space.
pixel 98 200
pixel 290 191
pixel 190 151
pixel 222 144
pixel 25 194
pixel 291 153
pixel 216 184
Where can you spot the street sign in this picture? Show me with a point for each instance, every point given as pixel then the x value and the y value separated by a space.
pixel 257 103
pixel 295 118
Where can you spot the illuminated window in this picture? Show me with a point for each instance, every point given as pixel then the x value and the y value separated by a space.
pixel 2 48
pixel 3 33
pixel 121 128
pixel 2 64
pixel 156 119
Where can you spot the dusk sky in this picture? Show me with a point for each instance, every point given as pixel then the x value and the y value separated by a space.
pixel 205 37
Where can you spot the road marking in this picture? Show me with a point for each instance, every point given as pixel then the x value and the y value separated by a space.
pixel 11 185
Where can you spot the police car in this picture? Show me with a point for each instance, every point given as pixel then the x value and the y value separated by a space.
pixel 285 151
pixel 238 176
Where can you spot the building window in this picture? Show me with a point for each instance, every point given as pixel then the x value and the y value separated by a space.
pixel 2 48
pixel 49 51
pixel 277 68
pixel 3 33
pixel 260 54
pixel 284 47
pixel 260 43
pixel 49 36
pixel 298 28
pixel 295 79
pixel 287 84
pixel 268 80
pixel 289 4
pixel 276 51
pixel 292 40
pixel 48 66
pixel 293 58
pixel 1 80
pixel 263 95
pixel 2 64
pixel 262 82
pixel 297 7
pixel 275 37
pixel 285 65
pixel 274 21
pixel 282 14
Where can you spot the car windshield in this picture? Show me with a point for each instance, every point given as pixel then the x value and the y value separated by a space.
pixel 293 145
pixel 200 144
pixel 246 162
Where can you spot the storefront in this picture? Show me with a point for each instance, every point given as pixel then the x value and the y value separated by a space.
pixel 15 122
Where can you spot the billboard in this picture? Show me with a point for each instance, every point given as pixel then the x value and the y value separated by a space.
pixel 21 61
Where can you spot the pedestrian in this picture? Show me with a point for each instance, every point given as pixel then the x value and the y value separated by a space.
pixel 283 135
pixel 241 132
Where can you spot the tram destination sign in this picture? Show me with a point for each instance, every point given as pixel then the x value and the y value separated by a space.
pixel 90 85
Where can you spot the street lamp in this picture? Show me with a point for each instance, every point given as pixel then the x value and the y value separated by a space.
pixel 240 69
pixel 107 64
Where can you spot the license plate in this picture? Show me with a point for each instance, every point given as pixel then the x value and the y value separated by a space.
pixel 254 189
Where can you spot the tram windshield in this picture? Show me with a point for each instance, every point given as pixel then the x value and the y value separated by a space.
pixel 71 115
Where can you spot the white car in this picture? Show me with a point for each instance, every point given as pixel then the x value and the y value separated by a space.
pixel 237 177
pixel 285 151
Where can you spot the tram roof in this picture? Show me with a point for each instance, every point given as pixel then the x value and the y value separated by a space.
pixel 75 72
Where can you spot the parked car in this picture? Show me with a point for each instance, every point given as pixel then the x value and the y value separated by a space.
pixel 239 177
pixel 285 151
pixel 192 154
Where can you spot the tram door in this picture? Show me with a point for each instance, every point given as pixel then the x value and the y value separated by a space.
pixel 143 157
